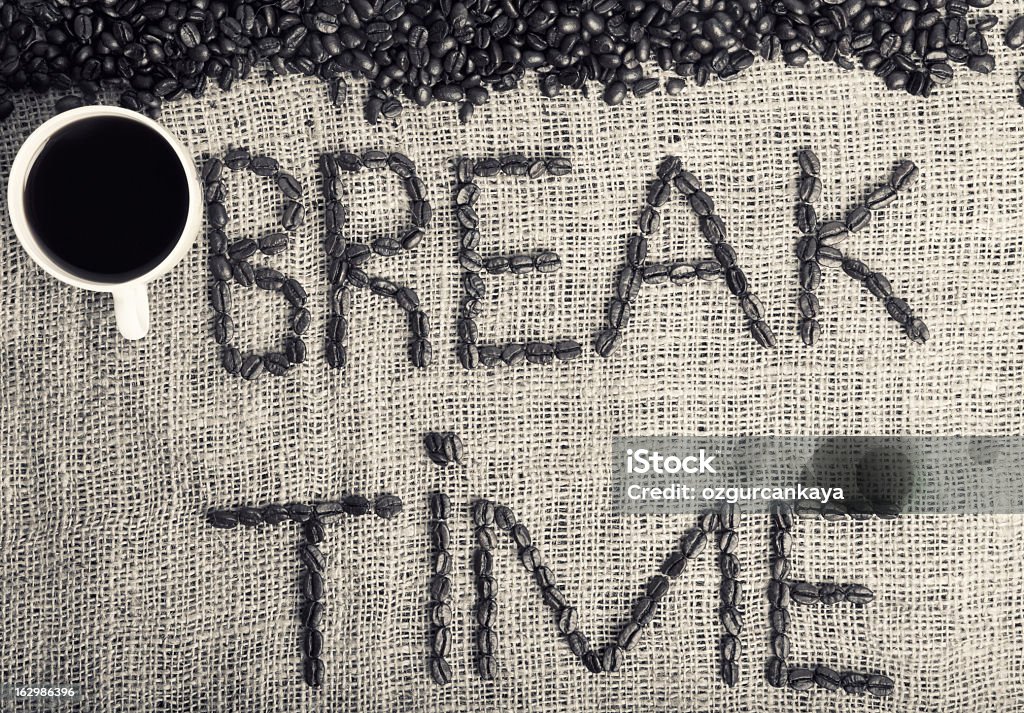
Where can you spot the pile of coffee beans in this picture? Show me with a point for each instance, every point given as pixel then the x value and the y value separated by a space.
pixel 345 259
pixel 470 353
pixel 229 262
pixel 819 247
pixel 420 51
pixel 782 591
pixel 311 518
pixel 638 272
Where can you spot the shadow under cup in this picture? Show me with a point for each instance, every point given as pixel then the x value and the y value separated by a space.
pixel 107 198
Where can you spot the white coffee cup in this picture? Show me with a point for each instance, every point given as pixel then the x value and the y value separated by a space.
pixel 131 303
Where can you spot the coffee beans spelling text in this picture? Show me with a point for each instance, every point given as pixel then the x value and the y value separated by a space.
pixel 229 261
pixel 637 272
pixel 818 247
pixel 781 591
pixel 440 589
pixel 345 259
pixel 470 352
pixel 312 519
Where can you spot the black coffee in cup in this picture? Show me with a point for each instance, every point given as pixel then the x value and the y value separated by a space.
pixel 107 198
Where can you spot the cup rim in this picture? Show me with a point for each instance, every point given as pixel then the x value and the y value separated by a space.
pixel 25 159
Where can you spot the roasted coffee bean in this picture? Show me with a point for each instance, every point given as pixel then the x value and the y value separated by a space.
pixel 486 641
pixel 313 586
pixel 810 275
pixel 483 562
pixel 779 620
pixel 578 643
pixel 877 685
pixel 833 232
pixel 752 307
pixel 1014 37
pixel 312 558
pixel 521 536
pixel 905 175
pixel 547 262
pixel 809 163
pixel 440 587
pixel 776 672
pixel 854 683
pixel 826 678
pixel 878 285
pixel 807 303
pixel 809 189
pixel 763 334
pixel 487 667
pixel 223 519
pixel 251 367
pixel 544 577
pixel 263 166
pixel 674 564
pixel 611 658
pixel 693 543
pixel 643 610
pixel 553 597
pixel 504 518
pixel 778 593
pixel 607 342
pixel 736 281
pixel 779 569
pixel 387 506
pixel 708 521
pixel 440 671
pixel 806 218
pixel 312 613
pixel 299 512
pixel 648 222
pixel 441 641
pixel 859 594
pixel 356 505
pixel 531 558
pixel 856 269
pixel 781 646
pixel 313 531
pixel 810 332
pixel 276 363
pixel 592 662
pixel 568 620
pixel 313 643
pixel 440 614
pixel 540 353
pixel 440 505
pixel 657 587
pixel 732 620
pixel 237 159
pixel 731 647
pixel 313 672
pixel 712 228
pixel 730 673
pixel 830 256
pixel 801 679
pixel 274 514
pixel 880 197
pixel 485 587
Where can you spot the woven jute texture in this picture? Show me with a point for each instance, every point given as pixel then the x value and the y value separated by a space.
pixel 112 451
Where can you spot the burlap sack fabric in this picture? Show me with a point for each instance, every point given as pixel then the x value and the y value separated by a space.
pixel 112 451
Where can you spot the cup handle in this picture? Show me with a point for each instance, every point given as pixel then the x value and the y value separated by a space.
pixel 131 307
